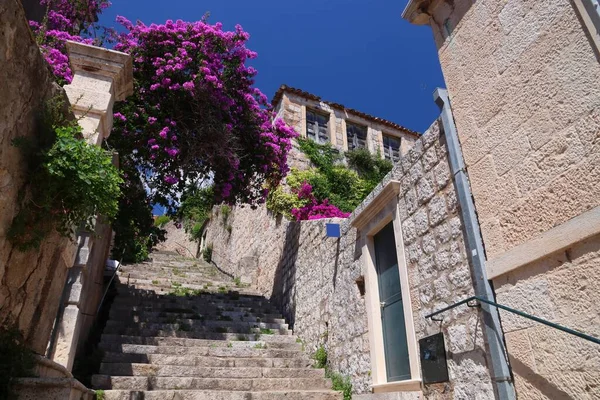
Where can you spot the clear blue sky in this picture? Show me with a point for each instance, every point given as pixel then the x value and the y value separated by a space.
pixel 358 53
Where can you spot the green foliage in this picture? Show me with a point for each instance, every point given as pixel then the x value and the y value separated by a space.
pixel 330 179
pixel 16 360
pixel 340 383
pixel 195 208
pixel 207 253
pixel 225 212
pixel 266 331
pixel 320 357
pixel 322 156
pixel 161 221
pixel 371 168
pixel 99 394
pixel 238 281
pixel 280 202
pixel 70 183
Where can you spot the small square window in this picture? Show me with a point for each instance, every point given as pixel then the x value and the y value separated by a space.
pixel 317 127
pixel 391 148
pixel 357 136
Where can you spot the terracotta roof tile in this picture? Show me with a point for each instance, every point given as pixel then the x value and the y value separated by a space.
pixel 284 88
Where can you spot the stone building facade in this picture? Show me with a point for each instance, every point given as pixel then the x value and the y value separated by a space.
pixel 522 78
pixel 327 290
pixel 344 128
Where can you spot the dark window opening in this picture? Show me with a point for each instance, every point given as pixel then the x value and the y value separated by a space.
pixel 317 127
pixel 357 136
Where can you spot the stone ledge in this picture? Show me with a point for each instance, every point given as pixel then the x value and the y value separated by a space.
pixel 411 385
pixel 558 238
pixel 389 191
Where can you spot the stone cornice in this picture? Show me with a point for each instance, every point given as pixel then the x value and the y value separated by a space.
pixel 111 64
pixel 389 191
pixel 417 12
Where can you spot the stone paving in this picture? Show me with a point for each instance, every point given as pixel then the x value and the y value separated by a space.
pixel 181 329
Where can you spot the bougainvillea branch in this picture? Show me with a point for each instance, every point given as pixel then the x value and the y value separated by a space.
pixel 195 113
pixel 315 209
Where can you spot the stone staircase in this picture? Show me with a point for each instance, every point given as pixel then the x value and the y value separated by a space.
pixel 181 330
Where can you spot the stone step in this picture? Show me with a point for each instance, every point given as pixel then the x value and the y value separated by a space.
pixel 190 289
pixel 192 308
pixel 222 395
pixel 130 369
pixel 126 292
pixel 196 325
pixel 196 332
pixel 193 303
pixel 204 361
pixel 154 316
pixel 239 384
pixel 274 341
pixel 225 352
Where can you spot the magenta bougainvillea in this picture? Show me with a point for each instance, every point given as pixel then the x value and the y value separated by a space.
pixel 68 20
pixel 195 114
pixel 315 209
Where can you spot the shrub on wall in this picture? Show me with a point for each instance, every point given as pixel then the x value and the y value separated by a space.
pixel 195 208
pixel 335 189
pixel 70 182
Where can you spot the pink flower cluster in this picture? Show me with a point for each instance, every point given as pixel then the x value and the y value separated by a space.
pixel 66 20
pixel 195 112
pixel 313 209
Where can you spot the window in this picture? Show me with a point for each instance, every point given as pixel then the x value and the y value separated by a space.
pixel 316 127
pixel 357 136
pixel 391 148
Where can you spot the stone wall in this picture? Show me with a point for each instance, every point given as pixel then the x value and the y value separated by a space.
pixel 178 241
pixel 523 81
pixel 313 278
pixel 522 77
pixel 31 283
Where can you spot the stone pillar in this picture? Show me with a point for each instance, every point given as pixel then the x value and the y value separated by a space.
pixel 101 77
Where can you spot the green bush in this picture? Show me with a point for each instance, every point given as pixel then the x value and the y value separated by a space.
pixel 320 357
pixel 195 209
pixel 282 202
pixel 344 187
pixel 225 212
pixel 71 182
pixel 16 360
pixel 340 383
pixel 161 221
pixel 207 253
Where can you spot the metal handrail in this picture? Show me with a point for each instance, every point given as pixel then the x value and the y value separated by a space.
pixel 519 313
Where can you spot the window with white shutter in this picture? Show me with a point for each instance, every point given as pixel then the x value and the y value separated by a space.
pixel 317 127
pixel 391 148
pixel 357 136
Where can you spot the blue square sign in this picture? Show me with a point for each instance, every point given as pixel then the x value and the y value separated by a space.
pixel 333 230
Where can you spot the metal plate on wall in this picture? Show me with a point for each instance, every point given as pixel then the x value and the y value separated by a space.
pixel 434 367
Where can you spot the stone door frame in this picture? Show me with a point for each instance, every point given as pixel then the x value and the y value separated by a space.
pixel 382 210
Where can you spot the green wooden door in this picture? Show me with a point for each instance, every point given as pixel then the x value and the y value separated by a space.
pixel 392 310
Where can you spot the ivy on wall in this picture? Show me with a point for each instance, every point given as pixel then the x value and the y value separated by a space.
pixel 70 181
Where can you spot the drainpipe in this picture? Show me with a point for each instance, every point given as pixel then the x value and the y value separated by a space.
pixel 500 370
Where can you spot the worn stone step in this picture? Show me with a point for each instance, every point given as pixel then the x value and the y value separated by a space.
pixel 131 369
pixel 238 384
pixel 204 361
pixel 222 395
pixel 125 314
pixel 133 295
pixel 273 341
pixel 225 352
pixel 191 308
pixel 196 325
pixel 196 332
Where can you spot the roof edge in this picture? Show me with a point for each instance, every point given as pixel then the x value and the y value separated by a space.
pixel 299 92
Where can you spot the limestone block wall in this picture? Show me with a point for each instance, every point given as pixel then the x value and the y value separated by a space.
pixel 522 77
pixel 31 283
pixel 178 241
pixel 523 81
pixel 312 278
